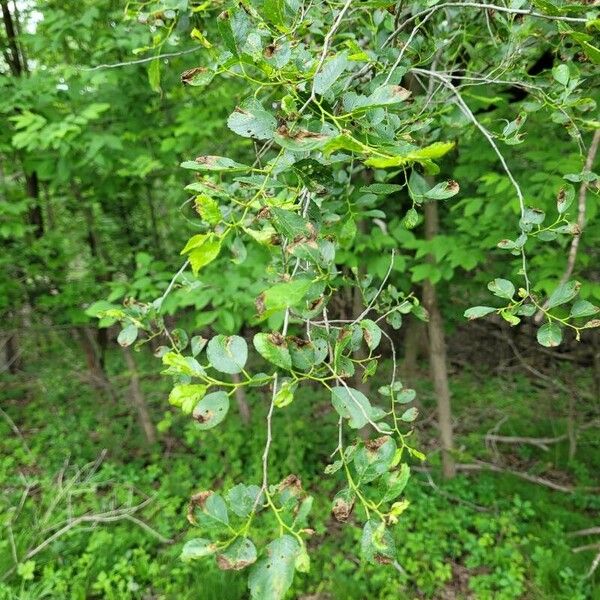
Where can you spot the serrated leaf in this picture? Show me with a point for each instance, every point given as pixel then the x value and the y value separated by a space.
pixel 549 335
pixel 211 410
pixel 271 577
pixel 208 209
pixel 330 72
pixel 227 354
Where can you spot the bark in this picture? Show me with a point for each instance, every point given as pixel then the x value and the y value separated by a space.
pixel 94 359
pixel 137 398
pixel 437 355
pixel 242 401
pixel 414 348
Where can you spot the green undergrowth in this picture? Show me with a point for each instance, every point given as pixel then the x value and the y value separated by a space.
pixel 485 535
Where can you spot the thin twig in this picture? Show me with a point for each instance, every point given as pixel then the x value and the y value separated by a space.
pixel 140 61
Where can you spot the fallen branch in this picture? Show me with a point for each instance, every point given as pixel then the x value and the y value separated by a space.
pixel 588 531
pixel 484 466
pixel 541 443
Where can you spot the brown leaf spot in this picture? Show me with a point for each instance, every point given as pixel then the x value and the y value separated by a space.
pixel 374 445
pixel 188 76
pixel 342 510
pixel 197 501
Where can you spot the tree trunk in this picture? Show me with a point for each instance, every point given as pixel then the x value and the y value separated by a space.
pixel 93 357
pixel 242 401
pixel 437 355
pixel 414 348
pixel 137 398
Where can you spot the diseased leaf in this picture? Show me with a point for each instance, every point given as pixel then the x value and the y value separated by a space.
pixel 377 544
pixel 127 335
pixel 286 294
pixel 549 335
pixel 272 576
pixel 273 347
pixel 186 396
pixel 252 120
pixel 211 410
pixel 197 548
pixel 479 311
pixel 371 333
pixel 214 163
pixel 227 354
pixel 209 511
pixel 240 554
pixel 242 499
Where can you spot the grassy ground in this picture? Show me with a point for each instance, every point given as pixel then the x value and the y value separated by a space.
pixel 484 536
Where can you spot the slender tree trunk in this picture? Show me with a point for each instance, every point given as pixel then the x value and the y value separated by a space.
pixel 137 398
pixel 94 360
pixel 596 351
pixel 437 356
pixel 414 347
pixel 242 401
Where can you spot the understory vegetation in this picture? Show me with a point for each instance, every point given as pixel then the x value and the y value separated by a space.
pixel 299 299
pixel 483 535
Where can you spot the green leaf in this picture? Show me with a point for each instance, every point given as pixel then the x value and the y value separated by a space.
pixel 377 544
pixel 479 311
pixel 211 410
pixel 154 75
pixel 408 416
pixel 411 218
pixel 208 209
pixel 563 293
pixel 371 333
pixel 561 74
pixel 354 406
pixel 443 190
pixel 197 548
pixel 405 396
pixel 395 483
pixel 203 249
pixel 240 554
pixel 214 163
pixel 208 510
pixel 252 120
pixel 285 394
pixel 227 354
pixel 186 396
pixel 502 288
pixel 565 198
pixel 271 577
pixel 583 308
pixel 549 335
pixel 374 458
pixel 127 336
pixel 286 294
pixel 330 72
pixel 273 347
pixel 242 499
